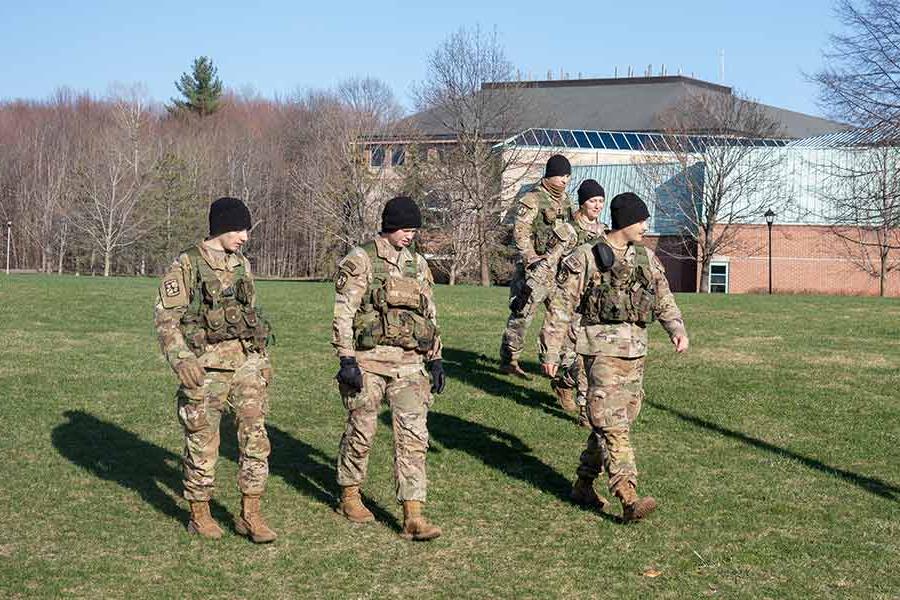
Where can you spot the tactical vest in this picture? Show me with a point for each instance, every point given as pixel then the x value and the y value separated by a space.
pixel 625 294
pixel 393 309
pixel 583 235
pixel 548 217
pixel 218 314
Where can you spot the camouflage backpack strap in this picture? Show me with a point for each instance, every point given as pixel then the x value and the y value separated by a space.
pixel 641 258
pixel 411 268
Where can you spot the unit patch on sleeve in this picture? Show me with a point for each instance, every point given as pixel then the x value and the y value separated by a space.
pixel 171 287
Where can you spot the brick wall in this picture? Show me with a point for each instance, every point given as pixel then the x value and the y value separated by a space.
pixel 805 259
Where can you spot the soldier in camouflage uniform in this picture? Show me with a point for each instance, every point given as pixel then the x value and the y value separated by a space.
pixel 540 228
pixel 586 229
pixel 617 287
pixel 215 338
pixel 385 333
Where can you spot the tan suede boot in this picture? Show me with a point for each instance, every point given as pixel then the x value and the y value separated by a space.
pixel 583 494
pixel 415 526
pixel 633 506
pixel 565 397
pixel 202 523
pixel 512 368
pixel 352 506
pixel 251 522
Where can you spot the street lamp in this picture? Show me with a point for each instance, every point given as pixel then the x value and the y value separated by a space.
pixel 770 218
pixel 8 229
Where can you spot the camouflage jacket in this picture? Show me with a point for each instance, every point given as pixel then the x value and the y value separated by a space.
pixel 174 297
pixel 626 340
pixel 352 279
pixel 536 209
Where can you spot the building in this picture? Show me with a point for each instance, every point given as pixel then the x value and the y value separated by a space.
pixel 610 129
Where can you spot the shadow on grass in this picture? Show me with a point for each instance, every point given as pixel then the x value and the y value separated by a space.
pixel 499 450
pixel 115 454
pixel 309 470
pixel 484 373
pixel 870 484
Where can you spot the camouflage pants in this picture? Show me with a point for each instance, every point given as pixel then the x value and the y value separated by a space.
pixel 409 396
pixel 200 412
pixel 513 342
pixel 615 394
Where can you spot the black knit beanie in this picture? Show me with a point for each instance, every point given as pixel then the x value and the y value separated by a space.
pixel 228 214
pixel 589 189
pixel 627 209
pixel 557 165
pixel 400 213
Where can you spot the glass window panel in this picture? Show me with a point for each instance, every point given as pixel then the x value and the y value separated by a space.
pixel 717 288
pixel 719 269
pixel 633 141
pixel 542 138
pixel 594 139
pixel 654 142
pixel 569 139
pixel 621 142
pixel 606 141
pixel 582 139
pixel 376 158
pixel 644 141
pixel 398 156
pixel 555 138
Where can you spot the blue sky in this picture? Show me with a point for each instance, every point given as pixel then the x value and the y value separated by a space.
pixel 280 47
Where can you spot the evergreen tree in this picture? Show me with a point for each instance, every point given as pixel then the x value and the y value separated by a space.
pixel 201 88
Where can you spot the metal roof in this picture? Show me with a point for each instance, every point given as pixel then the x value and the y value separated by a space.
pixel 848 137
pixel 627 140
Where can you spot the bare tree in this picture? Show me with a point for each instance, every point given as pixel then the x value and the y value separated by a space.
pixel 724 175
pixel 330 168
pixel 860 83
pixel 861 200
pixel 110 178
pixel 456 98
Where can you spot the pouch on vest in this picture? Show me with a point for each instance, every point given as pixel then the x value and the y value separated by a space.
pixel 402 293
pixel 367 330
pixel 215 318
pixel 424 333
pixel 233 313
pixel 212 290
pixel 399 329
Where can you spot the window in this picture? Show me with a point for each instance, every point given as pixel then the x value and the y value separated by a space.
pixel 376 158
pixel 398 156
pixel 718 278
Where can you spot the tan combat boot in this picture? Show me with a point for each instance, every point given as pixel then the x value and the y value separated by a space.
pixel 352 506
pixel 251 522
pixel 583 420
pixel 633 506
pixel 565 397
pixel 415 526
pixel 583 494
pixel 512 368
pixel 202 523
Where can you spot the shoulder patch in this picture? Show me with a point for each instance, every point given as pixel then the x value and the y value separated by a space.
pixel 172 291
pixel 353 264
pixel 573 262
pixel 529 200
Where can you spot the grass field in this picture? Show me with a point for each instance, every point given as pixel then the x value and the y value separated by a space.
pixel 772 447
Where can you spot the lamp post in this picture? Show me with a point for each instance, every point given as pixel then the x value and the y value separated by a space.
pixel 8 230
pixel 770 218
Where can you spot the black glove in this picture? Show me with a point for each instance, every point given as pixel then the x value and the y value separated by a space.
pixel 349 374
pixel 436 367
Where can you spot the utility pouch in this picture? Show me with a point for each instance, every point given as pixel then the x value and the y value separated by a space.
pixel 215 318
pixel 399 329
pixel 402 292
pixel 233 313
pixel 367 330
pixel 424 333
pixel 251 318
pixel 212 291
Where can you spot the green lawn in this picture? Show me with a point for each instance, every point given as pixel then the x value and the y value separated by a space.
pixel 772 447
